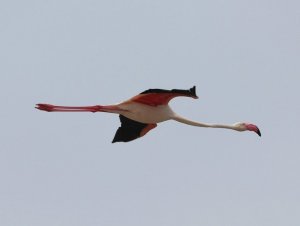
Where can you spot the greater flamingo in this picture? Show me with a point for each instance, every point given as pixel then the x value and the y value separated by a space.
pixel 141 113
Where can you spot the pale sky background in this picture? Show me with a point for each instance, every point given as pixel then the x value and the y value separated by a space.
pixel 60 169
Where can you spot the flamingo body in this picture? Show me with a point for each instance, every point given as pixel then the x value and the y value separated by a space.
pixel 141 113
pixel 145 113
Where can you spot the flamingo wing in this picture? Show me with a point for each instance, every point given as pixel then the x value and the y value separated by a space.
pixel 131 130
pixel 155 97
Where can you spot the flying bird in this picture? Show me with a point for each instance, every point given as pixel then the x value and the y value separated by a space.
pixel 141 113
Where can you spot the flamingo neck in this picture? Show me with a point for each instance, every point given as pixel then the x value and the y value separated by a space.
pixel 201 124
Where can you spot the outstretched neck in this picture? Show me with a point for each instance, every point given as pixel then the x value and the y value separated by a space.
pixel 201 124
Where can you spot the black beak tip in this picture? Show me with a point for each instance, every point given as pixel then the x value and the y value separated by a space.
pixel 258 133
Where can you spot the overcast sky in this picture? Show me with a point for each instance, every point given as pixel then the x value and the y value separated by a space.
pixel 61 169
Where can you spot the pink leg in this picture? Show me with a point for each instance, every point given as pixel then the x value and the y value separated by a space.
pixel 95 108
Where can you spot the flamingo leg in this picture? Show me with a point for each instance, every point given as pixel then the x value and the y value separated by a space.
pixel 95 108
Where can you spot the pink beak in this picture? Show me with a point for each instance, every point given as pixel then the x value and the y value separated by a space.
pixel 253 128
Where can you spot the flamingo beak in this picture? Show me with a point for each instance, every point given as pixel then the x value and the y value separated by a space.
pixel 258 132
pixel 253 128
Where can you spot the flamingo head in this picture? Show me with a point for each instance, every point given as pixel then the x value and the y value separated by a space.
pixel 241 126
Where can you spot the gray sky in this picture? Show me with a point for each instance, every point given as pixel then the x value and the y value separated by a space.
pixel 59 169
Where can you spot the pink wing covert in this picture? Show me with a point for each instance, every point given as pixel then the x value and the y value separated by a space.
pixel 155 97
